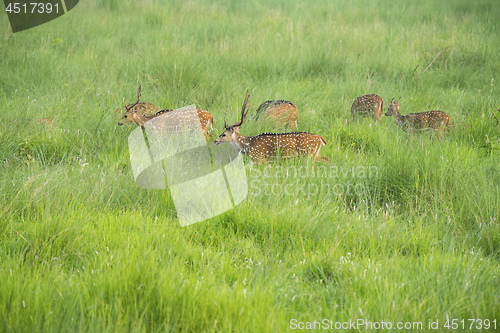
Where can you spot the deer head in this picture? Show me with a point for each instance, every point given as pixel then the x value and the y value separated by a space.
pixel 231 132
pixel 131 111
pixel 393 107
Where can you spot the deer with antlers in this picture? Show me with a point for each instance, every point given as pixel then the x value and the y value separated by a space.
pixel 281 112
pixel 139 113
pixel 431 120
pixel 368 106
pixel 268 146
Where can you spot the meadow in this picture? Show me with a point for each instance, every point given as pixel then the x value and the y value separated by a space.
pixel 396 228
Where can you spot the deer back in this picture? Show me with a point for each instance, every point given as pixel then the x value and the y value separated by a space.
pixel 205 118
pixel 268 146
pixel 281 112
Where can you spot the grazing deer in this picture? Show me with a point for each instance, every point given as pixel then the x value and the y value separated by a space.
pixel 139 113
pixel 280 112
pixel 430 120
pixel 368 106
pixel 267 146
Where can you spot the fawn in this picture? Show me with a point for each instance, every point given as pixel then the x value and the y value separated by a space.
pixel 368 106
pixel 413 122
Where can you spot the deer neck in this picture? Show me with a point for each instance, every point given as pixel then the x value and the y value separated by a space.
pixel 240 142
pixel 400 120
pixel 139 119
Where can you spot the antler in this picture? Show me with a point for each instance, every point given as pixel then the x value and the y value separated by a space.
pixel 392 100
pixel 244 111
pixel 138 99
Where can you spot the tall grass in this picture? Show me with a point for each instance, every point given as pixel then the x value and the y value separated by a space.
pixel 395 228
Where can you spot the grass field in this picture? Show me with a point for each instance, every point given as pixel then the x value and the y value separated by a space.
pixel 396 228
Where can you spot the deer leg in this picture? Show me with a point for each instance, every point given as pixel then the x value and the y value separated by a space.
pixel 440 131
pixel 317 156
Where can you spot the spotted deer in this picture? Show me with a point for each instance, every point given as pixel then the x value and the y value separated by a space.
pixel 368 106
pixel 139 113
pixel 268 146
pixel 431 120
pixel 280 112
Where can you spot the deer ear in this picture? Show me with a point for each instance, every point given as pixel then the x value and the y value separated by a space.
pixel 236 129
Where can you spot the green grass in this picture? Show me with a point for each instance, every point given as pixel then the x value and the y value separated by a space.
pixel 396 228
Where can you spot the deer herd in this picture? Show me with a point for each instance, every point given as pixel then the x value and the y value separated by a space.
pixel 269 146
